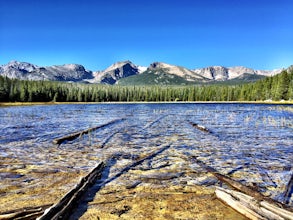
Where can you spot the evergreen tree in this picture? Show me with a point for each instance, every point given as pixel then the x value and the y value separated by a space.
pixel 277 87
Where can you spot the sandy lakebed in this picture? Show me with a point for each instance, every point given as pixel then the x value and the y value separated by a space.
pixel 249 143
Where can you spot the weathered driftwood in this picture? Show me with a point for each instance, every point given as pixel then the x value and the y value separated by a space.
pixel 251 207
pixel 239 186
pixel 75 135
pixel 24 213
pixel 288 191
pixel 238 206
pixel 284 213
pixel 200 127
pixel 31 216
pixel 62 209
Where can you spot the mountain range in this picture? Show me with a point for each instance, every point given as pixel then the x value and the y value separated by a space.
pixel 127 73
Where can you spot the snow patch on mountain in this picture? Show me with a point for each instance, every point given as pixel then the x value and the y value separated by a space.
pixel 220 73
pixel 27 71
pixel 119 70
pixel 141 69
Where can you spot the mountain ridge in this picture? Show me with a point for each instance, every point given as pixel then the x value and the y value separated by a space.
pixel 115 72
pixel 119 71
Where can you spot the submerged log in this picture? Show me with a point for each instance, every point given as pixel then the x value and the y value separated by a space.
pixel 24 213
pixel 75 135
pixel 239 186
pixel 148 125
pixel 84 201
pixel 108 139
pixel 140 160
pixel 63 208
pixel 251 207
pixel 200 127
pixel 288 191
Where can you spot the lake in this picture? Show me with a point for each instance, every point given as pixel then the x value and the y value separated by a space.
pixel 251 143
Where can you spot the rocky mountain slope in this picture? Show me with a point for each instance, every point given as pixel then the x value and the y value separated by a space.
pixel 177 71
pixel 115 72
pixel 164 74
pixel 128 73
pixel 27 71
pixel 220 73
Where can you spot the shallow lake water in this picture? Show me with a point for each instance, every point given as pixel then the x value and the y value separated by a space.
pixel 251 143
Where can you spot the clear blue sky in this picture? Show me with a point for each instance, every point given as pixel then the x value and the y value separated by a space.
pixel 190 33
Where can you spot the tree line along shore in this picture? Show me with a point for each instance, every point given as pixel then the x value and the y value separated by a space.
pixel 276 88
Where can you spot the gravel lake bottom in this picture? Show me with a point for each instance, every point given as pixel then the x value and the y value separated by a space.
pixel 251 143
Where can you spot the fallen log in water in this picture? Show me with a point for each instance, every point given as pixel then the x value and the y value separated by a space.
pixel 288 191
pixel 152 123
pixel 24 213
pixel 200 127
pixel 75 135
pixel 236 204
pixel 249 191
pixel 140 160
pixel 62 209
pixel 108 139
pixel 80 209
pixel 241 187
pixel 251 207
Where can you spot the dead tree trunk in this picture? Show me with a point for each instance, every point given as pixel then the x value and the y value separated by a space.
pixel 75 135
pixel 24 213
pixel 63 208
pixel 251 207
pixel 288 191
pixel 239 186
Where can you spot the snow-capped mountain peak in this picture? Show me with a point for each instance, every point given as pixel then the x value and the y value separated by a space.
pixel 119 70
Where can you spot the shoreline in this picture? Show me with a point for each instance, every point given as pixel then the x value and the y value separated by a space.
pixel 8 104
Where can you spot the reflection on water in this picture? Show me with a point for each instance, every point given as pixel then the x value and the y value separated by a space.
pixel 251 143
